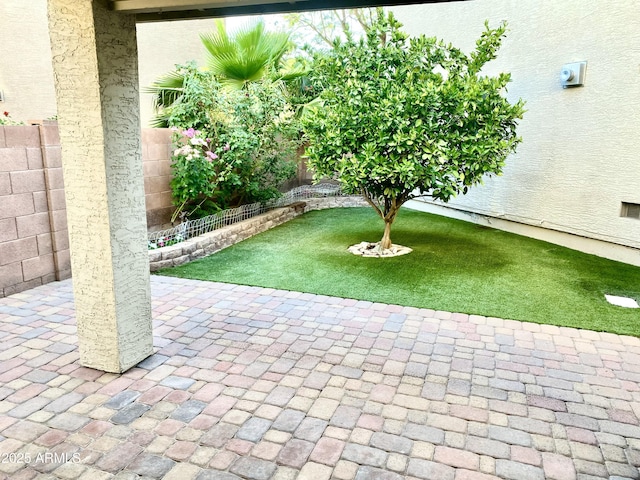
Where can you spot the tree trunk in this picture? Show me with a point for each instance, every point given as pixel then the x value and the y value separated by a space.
pixel 387 213
pixel 385 243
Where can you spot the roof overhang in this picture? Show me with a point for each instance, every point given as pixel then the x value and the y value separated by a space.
pixel 160 10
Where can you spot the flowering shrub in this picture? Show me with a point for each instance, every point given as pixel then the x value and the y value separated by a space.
pixel 164 242
pixel 198 170
pixel 5 119
pixel 233 147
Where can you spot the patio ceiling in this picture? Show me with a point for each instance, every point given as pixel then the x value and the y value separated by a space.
pixel 159 10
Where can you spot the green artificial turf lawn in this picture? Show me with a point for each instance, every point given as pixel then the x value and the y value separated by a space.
pixel 455 266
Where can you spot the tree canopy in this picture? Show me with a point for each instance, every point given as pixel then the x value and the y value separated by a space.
pixel 319 29
pixel 402 118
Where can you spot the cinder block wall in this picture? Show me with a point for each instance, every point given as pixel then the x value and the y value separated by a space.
pixel 34 240
pixel 34 246
pixel 156 158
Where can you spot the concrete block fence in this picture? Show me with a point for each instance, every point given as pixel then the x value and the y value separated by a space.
pixel 212 242
pixel 156 164
pixel 34 239
pixel 34 244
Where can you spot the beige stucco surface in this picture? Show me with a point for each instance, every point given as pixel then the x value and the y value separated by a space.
pixel 26 76
pixel 95 63
pixel 162 45
pixel 579 157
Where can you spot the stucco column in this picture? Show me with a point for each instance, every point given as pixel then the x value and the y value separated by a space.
pixel 96 74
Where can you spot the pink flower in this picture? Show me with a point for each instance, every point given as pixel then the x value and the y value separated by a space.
pixel 211 155
pixel 190 133
pixel 227 147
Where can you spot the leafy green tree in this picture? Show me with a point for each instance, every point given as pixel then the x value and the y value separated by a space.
pixel 317 32
pixel 320 29
pixel 183 95
pixel 403 118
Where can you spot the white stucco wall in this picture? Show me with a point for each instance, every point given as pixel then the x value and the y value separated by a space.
pixel 26 76
pixel 580 153
pixel 161 45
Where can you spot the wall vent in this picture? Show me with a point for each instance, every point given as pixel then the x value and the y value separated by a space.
pixel 630 210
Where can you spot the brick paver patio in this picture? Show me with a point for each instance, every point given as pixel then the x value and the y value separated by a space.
pixel 261 384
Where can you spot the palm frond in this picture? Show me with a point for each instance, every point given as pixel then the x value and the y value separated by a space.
pixel 292 74
pixel 160 120
pixel 309 108
pixel 245 55
pixel 166 89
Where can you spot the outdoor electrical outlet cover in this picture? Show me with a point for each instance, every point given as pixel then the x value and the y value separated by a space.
pixel 622 301
pixel 572 74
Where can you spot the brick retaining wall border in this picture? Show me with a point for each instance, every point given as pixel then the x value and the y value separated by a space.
pixel 212 242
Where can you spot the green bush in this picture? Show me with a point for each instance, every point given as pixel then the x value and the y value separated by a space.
pixel 233 146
